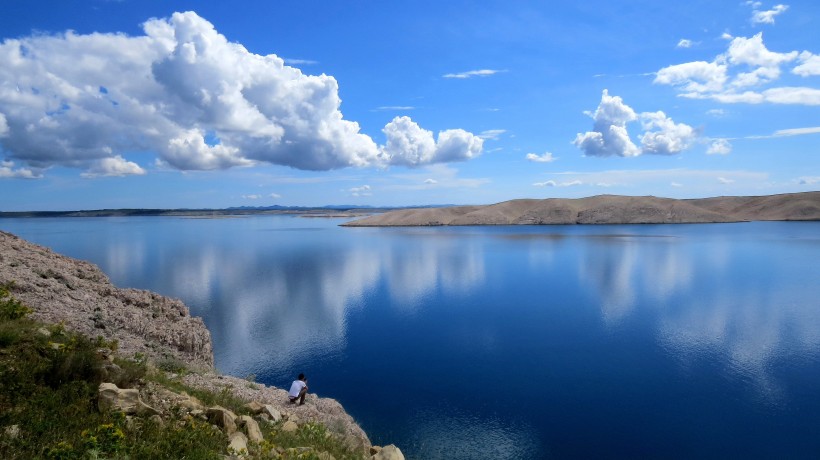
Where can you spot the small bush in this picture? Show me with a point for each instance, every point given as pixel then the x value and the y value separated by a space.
pixel 11 308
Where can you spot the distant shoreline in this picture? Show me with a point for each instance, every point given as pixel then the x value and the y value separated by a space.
pixel 608 209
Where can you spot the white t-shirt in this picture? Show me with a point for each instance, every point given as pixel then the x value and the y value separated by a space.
pixel 296 388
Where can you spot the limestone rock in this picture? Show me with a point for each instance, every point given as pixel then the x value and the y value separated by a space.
pixel 254 407
pixel 122 399
pixel 274 414
pixel 290 426
pixel 390 452
pixel 238 443
pixel 375 450
pixel 326 456
pixel 223 418
pixel 12 431
pixel 251 428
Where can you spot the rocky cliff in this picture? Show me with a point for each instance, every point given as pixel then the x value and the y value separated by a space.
pixel 608 209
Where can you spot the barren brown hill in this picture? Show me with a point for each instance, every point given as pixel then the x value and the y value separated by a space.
pixel 609 209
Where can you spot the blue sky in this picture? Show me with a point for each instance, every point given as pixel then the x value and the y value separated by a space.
pixel 158 104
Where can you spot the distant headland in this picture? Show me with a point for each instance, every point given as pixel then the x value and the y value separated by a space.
pixel 609 209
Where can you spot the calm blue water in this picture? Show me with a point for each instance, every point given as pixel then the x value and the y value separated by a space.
pixel 684 341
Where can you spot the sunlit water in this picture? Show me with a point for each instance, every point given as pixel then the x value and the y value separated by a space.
pixel 670 341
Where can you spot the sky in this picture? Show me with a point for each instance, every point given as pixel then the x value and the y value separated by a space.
pixel 172 104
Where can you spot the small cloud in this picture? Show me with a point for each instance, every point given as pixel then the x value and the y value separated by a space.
pixel 684 43
pixel 726 36
pixel 252 197
pixel 393 108
pixel 473 73
pixel 431 181
pixel 299 61
pixel 116 166
pixel 492 134
pixel 7 171
pixel 675 184
pixel 545 158
pixel 805 180
pixel 719 147
pixel 552 183
pixel 766 17
pixel 275 196
pixel 725 181
pixel 604 184
pixel 797 131
pixel 717 113
pixel 364 190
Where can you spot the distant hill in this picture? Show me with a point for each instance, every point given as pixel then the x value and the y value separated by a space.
pixel 609 209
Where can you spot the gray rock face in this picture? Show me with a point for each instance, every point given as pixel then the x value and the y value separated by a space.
pixel 76 292
pixel 250 426
pixel 238 443
pixel 223 418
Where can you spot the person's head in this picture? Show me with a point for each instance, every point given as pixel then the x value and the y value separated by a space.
pixel 301 376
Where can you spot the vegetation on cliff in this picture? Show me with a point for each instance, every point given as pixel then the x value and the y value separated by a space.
pixel 49 385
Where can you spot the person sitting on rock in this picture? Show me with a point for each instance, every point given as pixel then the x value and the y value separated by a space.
pixel 298 390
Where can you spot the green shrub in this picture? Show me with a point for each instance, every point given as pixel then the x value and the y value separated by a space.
pixel 11 308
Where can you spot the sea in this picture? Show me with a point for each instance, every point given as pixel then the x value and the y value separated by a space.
pixel 502 342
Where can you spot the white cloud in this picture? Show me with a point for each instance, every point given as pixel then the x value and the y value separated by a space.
pixel 684 43
pixel 809 65
pixel 719 147
pixel 552 183
pixel 725 181
pixel 252 197
pixel 113 167
pixel 7 171
pixel 274 196
pixel 410 145
pixel 364 190
pixel 808 180
pixel 726 36
pixel 676 184
pixel 698 76
pixel 767 16
pixel 492 134
pixel 473 73
pixel 430 181
pixel 797 131
pixel 289 61
pixel 752 52
pixel 545 158
pixel 716 112
pixel 4 126
pixel 609 137
pixel 747 63
pixel 393 108
pixel 183 91
pixel 663 136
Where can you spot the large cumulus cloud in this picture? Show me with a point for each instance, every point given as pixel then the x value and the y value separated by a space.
pixel 610 137
pixel 183 91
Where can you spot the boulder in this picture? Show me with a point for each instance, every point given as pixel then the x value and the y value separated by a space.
pixel 274 414
pixel 223 418
pixel 111 398
pixel 238 443
pixel 251 428
pixel 390 452
pixel 254 407
pixel 326 456
pixel 290 426
pixel 12 431
pixel 375 450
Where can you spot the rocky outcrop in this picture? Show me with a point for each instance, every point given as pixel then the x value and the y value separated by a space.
pixel 78 294
pixel 608 209
pixel 127 400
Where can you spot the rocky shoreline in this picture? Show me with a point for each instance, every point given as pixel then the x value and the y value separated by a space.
pixel 79 295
